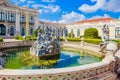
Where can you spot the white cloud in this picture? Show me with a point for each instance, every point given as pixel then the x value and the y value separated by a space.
pixel 22 0
pixel 108 5
pixel 50 8
pixel 30 2
pixel 92 8
pixel 97 16
pixel 40 11
pixel 71 17
pixel 48 20
pixel 112 5
pixel 49 1
pixel 119 18
pixel 35 5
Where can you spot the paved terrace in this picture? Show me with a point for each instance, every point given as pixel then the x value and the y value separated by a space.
pixel 10 40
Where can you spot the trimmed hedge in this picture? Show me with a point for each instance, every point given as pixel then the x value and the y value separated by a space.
pixel 93 41
pixel 88 40
pixel 1 39
pixel 74 39
pixel 28 38
pixel 117 41
pixel 60 38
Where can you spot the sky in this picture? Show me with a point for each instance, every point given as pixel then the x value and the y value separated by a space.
pixel 68 11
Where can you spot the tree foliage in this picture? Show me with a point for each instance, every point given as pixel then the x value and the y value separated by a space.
pixel 71 35
pixel 91 33
pixel 36 31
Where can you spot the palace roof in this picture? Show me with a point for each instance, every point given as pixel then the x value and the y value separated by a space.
pixel 94 20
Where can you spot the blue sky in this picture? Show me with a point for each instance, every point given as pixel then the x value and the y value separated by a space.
pixel 66 11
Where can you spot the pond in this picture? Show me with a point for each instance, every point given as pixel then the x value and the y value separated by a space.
pixel 23 60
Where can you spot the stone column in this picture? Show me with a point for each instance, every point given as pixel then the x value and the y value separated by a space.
pixel 17 23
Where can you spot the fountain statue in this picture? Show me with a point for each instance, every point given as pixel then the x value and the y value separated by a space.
pixel 45 45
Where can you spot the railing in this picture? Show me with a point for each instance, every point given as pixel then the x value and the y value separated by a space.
pixel 93 73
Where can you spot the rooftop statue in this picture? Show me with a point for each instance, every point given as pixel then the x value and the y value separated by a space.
pixel 45 44
pixel 107 45
pixel 105 33
pixel 105 38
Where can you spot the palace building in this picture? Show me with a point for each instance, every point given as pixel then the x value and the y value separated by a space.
pixel 15 20
pixel 78 28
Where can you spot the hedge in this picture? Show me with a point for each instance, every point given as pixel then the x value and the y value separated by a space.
pixel 1 39
pixel 93 41
pixel 117 41
pixel 73 39
pixel 28 38
pixel 60 38
pixel 88 40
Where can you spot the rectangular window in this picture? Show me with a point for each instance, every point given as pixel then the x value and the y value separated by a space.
pixel 71 30
pixel 117 32
pixel 78 32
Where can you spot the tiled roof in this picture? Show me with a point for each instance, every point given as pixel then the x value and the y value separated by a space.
pixel 50 23
pixel 95 20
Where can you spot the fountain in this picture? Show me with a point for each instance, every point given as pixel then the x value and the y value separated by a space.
pixel 46 47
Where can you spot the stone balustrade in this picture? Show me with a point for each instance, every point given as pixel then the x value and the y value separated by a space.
pixel 14 44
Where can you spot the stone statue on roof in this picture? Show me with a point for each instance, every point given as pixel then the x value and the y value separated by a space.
pixel 105 38
pixel 105 33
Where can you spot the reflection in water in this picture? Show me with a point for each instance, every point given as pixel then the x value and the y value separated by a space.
pixel 82 54
pixel 3 59
pixel 23 60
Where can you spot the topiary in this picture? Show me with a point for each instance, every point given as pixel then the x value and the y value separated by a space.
pixel 71 35
pixel 91 33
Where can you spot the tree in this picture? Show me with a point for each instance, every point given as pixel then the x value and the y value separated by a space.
pixel 71 35
pixel 91 33
pixel 36 31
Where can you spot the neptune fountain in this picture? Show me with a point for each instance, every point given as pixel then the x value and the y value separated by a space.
pixel 45 45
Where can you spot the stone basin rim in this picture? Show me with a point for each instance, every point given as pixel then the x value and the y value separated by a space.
pixel 52 71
